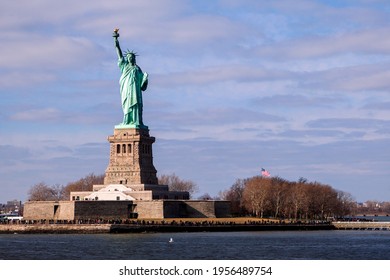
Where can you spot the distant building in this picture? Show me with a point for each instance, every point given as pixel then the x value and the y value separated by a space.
pixel 14 206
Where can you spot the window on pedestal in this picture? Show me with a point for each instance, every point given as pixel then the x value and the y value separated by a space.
pixel 118 149
pixel 124 148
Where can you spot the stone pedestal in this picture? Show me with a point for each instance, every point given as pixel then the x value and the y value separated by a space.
pixel 131 158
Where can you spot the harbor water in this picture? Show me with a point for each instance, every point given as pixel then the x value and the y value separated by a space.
pixel 265 245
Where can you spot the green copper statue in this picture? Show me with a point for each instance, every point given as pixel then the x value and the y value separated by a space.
pixel 132 82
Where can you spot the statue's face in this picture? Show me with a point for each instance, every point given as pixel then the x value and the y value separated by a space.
pixel 131 58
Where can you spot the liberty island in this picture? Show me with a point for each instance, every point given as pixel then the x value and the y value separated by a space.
pixel 131 198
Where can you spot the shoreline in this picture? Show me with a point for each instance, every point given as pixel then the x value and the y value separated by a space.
pixel 219 228
pixel 135 228
pixel 187 225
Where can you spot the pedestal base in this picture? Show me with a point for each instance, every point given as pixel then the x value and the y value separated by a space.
pixel 131 157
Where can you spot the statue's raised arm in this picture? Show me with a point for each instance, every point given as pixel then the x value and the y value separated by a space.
pixel 117 47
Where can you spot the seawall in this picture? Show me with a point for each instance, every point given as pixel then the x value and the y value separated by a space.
pixel 55 228
pixel 216 228
pixel 135 228
pixel 362 225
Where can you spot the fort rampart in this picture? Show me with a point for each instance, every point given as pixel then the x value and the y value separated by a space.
pixel 110 210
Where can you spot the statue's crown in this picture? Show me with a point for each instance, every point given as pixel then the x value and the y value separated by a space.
pixel 130 52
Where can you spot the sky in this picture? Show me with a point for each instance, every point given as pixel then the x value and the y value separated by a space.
pixel 300 88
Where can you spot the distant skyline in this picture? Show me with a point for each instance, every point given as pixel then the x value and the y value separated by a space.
pixel 299 88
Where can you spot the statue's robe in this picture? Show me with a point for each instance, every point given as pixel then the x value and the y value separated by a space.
pixel 132 82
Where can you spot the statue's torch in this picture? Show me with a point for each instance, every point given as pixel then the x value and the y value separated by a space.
pixel 115 34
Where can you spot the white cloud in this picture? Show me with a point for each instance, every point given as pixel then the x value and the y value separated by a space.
pixel 23 78
pixel 364 42
pixel 356 123
pixel 222 73
pixel 33 115
pixel 29 51
pixel 356 78
pixel 378 106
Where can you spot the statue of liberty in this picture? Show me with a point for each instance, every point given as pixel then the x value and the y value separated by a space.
pixel 132 82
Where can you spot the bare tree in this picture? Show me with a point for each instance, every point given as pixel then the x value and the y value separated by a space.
pixel 278 194
pixel 299 199
pixel 327 197
pixel 256 195
pixel 235 195
pixel 59 191
pixel 176 184
pixel 346 204
pixel 43 192
pixel 83 184
pixel 205 196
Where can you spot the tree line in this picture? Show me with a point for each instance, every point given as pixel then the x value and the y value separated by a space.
pixel 279 198
pixel 44 192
